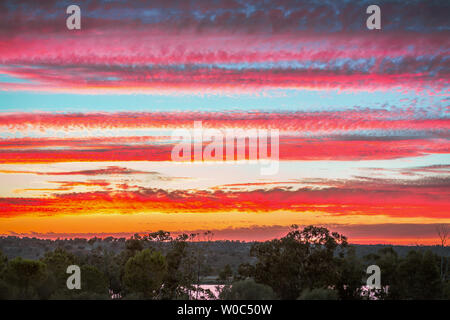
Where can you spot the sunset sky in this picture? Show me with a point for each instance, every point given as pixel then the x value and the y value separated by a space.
pixel 87 116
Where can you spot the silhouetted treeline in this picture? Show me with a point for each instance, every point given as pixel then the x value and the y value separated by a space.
pixel 312 263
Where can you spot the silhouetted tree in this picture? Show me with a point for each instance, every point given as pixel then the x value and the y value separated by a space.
pixel 177 280
pixel 302 259
pixel 247 290
pixel 350 273
pixel 388 261
pixel 26 276
pixel 144 273
pixel 418 276
pixel 93 280
pixel 226 273
pixel 57 262
pixel 319 294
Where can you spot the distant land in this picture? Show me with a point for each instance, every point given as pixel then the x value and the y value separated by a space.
pixel 221 252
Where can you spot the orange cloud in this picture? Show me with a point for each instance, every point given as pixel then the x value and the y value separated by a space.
pixel 427 197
